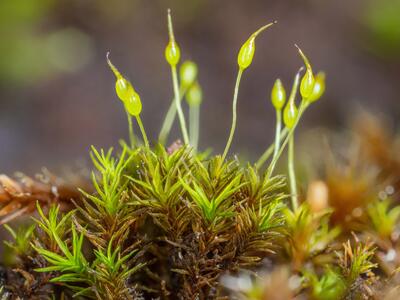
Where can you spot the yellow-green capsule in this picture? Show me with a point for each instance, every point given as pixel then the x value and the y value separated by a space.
pixel 307 85
pixel 307 82
pixel 246 52
pixel 194 95
pixel 123 87
pixel 172 51
pixel 278 95
pixel 188 73
pixel 290 115
pixel 133 104
pixel 319 87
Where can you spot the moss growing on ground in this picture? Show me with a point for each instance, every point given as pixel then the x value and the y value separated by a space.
pixel 173 222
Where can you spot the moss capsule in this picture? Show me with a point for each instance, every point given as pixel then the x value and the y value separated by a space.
pixel 246 52
pixel 319 87
pixel 172 51
pixel 307 85
pixel 126 92
pixel 307 82
pixel 194 95
pixel 133 104
pixel 188 73
pixel 123 87
pixel 290 115
pixel 278 95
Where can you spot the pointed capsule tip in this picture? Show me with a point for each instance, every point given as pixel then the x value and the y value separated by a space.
pixel 299 49
pixel 170 27
pixel 108 58
pixel 109 61
pixel 304 57
pixel 112 67
pixel 261 29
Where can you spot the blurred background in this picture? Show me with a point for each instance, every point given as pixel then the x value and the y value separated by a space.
pixel 57 93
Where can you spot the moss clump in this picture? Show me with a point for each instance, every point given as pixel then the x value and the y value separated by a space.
pixel 178 223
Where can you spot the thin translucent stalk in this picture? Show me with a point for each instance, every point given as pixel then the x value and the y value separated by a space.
pixel 234 117
pixel 267 153
pixel 194 125
pixel 264 157
pixel 272 166
pixel 278 131
pixel 146 141
pixel 292 174
pixel 292 98
pixel 169 119
pixel 131 134
pixel 178 105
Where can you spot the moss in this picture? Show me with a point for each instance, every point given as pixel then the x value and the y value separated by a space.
pixel 177 223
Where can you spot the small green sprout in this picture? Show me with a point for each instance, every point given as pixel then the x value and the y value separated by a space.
pixel 309 233
pixel 307 82
pixel 131 99
pixel 22 238
pixel 113 270
pixel 319 87
pixel 356 260
pixel 330 286
pixel 384 219
pixel 109 183
pixel 172 55
pixel 72 264
pixel 244 59
pixel 52 225
pixel 211 207
pixel 67 261
pixel 270 217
